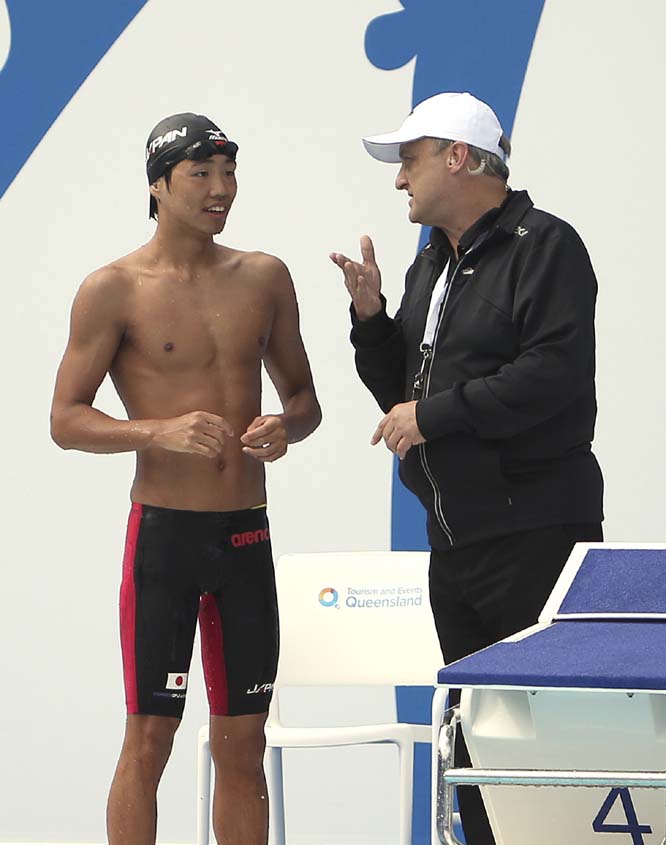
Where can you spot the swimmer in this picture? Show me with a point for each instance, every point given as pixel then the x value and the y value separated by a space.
pixel 182 325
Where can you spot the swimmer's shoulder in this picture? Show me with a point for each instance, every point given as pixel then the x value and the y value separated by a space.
pixel 110 286
pixel 261 266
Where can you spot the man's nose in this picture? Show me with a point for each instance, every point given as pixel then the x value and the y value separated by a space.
pixel 400 181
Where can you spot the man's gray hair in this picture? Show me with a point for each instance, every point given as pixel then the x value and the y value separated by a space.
pixel 488 163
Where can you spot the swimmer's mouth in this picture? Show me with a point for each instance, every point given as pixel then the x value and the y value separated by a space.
pixel 216 209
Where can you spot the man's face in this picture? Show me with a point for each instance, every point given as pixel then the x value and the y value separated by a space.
pixel 200 193
pixel 425 177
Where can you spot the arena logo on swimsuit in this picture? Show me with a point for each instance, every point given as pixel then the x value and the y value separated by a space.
pixel 249 538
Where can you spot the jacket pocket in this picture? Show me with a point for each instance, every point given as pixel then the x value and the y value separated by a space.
pixel 468 473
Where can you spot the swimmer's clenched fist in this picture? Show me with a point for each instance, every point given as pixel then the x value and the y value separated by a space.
pixel 265 439
pixel 196 433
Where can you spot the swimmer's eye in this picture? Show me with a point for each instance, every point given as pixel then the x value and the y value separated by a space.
pixel 200 173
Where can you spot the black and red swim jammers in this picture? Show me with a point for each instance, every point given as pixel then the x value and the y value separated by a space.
pixel 214 566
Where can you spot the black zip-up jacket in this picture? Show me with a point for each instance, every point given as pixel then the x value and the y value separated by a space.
pixel 508 404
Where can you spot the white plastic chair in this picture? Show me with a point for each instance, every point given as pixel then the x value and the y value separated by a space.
pixel 390 642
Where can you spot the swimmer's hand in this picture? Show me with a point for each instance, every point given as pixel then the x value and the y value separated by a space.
pixel 197 433
pixel 363 281
pixel 265 439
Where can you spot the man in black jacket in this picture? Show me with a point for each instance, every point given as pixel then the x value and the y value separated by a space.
pixel 486 379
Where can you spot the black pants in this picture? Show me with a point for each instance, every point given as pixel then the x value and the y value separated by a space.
pixel 487 591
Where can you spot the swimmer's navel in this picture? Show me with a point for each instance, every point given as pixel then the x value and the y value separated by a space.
pixel 169 347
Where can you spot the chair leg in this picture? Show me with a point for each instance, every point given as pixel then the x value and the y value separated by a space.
pixel 203 788
pixel 276 827
pixel 406 752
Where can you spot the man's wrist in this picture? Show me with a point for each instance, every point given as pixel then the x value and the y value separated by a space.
pixel 368 313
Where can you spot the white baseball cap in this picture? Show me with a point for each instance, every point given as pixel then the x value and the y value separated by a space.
pixel 450 116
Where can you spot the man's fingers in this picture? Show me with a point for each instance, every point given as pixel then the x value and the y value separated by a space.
pixel 403 447
pixel 392 438
pixel 351 270
pixel 379 431
pixel 367 250
pixel 339 259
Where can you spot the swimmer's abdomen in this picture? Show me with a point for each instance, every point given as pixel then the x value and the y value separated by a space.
pixel 179 480
pixel 233 481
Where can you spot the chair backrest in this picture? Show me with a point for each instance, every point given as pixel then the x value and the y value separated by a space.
pixel 610 580
pixel 356 618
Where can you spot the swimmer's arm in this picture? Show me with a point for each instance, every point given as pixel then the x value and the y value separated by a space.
pixel 96 330
pixel 97 327
pixel 287 365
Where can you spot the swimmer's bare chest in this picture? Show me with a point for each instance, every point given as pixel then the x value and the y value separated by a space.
pixel 196 345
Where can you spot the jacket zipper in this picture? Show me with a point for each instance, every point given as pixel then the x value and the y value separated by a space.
pixel 428 353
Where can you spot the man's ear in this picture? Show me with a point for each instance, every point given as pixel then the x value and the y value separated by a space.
pixel 457 154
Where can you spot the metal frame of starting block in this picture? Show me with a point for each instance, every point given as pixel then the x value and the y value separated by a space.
pixel 591 656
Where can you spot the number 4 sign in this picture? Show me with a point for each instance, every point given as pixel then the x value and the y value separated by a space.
pixel 632 826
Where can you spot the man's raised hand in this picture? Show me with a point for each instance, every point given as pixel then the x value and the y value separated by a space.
pixel 363 281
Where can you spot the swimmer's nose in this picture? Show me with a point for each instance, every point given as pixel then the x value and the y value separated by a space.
pixel 218 188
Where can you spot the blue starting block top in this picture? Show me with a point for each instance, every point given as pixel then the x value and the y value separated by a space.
pixel 608 632
pixel 626 655
pixel 618 581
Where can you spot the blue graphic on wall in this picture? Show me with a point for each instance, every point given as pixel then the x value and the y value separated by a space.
pixel 52 47
pixel 480 46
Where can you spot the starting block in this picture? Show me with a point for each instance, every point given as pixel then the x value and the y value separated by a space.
pixel 577 700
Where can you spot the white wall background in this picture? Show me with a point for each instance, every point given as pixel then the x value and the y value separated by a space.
pixel 586 140
pixel 287 83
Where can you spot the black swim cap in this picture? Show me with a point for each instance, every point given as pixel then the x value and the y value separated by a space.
pixel 183 136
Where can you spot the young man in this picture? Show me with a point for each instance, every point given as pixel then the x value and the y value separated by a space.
pixel 486 378
pixel 182 325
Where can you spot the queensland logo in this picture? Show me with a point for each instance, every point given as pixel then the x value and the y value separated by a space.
pixel 167 138
pixel 249 538
pixel 328 597
pixel 375 598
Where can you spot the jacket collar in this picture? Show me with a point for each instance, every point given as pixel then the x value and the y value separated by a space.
pixel 516 206
pixel 504 218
